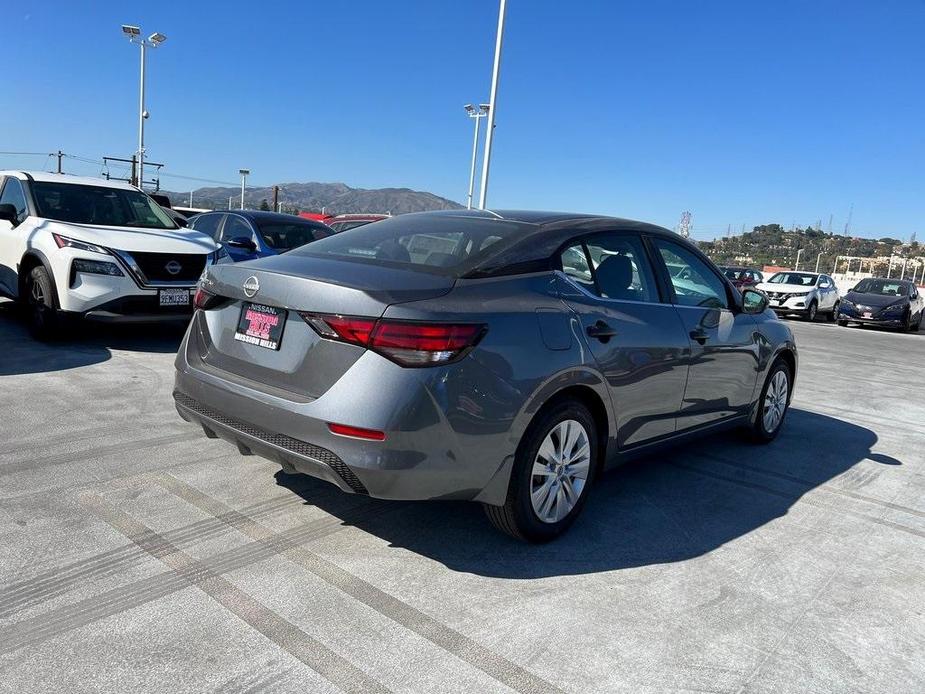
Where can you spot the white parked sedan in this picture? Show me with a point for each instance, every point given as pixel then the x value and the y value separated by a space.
pixel 802 293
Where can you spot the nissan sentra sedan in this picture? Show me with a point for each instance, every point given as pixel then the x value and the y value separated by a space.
pixel 500 357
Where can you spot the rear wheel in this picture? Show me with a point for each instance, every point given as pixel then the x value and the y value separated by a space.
pixel 834 314
pixel 843 323
pixel 553 469
pixel 43 317
pixel 772 407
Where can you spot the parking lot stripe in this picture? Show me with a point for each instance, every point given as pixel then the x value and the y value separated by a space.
pixel 333 667
pixel 450 640
pixel 111 602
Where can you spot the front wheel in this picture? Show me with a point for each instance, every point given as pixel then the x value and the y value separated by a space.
pixel 43 316
pixel 553 468
pixel 774 402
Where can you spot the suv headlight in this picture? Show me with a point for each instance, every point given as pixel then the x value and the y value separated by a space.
pixel 893 310
pixel 797 296
pixel 65 242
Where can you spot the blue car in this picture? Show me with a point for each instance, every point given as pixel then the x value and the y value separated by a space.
pixel 249 234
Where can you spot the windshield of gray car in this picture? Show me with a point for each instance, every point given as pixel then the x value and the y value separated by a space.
pixel 882 287
pixel 441 245
pixel 83 204
pixel 807 279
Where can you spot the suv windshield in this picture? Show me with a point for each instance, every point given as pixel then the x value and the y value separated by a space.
pixel 441 245
pixel 81 204
pixel 882 287
pixel 807 279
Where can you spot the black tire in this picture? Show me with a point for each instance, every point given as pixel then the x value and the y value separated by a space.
pixel 843 323
pixel 41 305
pixel 907 322
pixel 918 323
pixel 834 314
pixel 811 311
pixel 758 431
pixel 517 516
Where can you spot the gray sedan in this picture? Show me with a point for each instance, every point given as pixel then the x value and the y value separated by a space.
pixel 500 357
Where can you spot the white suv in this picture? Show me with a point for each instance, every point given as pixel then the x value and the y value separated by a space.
pixel 104 250
pixel 803 293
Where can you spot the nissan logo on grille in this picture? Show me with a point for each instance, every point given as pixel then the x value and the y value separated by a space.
pixel 173 267
pixel 251 286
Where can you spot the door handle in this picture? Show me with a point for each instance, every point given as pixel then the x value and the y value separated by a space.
pixel 601 331
pixel 700 335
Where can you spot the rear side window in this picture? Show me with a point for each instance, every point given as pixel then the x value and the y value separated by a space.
pixel 695 284
pixel 284 236
pixel 207 224
pixel 13 195
pixel 442 245
pixel 613 266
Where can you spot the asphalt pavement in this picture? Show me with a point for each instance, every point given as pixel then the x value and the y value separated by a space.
pixel 138 556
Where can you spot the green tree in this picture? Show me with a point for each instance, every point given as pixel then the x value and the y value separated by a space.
pixel 264 205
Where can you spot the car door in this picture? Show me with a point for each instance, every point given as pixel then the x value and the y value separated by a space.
pixel 724 342
pixel 633 334
pixel 13 236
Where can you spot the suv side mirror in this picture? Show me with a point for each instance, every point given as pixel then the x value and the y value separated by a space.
pixel 243 243
pixel 8 213
pixel 753 301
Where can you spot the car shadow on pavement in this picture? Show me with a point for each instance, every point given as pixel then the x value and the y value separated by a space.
pixel 88 343
pixel 676 506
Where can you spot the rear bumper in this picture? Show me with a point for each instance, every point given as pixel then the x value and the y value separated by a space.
pixel 432 449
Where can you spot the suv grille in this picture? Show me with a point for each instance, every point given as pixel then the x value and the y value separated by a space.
pixel 170 267
pixel 300 448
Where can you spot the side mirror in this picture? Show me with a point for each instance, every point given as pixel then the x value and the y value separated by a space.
pixel 242 242
pixel 753 301
pixel 8 213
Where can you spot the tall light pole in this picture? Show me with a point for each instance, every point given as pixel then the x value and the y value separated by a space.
pixel 153 41
pixel 797 266
pixel 477 114
pixel 818 257
pixel 243 173
pixel 486 160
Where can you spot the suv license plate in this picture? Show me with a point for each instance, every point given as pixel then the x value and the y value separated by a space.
pixel 173 297
pixel 261 325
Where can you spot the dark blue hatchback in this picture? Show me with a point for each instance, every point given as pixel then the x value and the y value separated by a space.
pixel 249 234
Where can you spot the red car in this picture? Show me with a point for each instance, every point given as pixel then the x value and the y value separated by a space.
pixel 742 277
pixel 342 222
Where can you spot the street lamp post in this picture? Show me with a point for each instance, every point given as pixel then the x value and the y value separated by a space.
pixel 489 132
pixel 153 41
pixel 244 173
pixel 818 257
pixel 797 266
pixel 476 113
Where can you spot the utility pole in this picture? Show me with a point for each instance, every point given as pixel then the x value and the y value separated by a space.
pixel 492 106
pixel 276 198
pixel 60 154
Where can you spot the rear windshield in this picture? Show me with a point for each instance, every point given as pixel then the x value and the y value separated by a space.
pixel 284 236
pixel 441 245
pixel 344 226
pixel 80 204
pixel 882 287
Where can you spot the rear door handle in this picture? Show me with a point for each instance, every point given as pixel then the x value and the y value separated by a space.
pixel 699 335
pixel 601 331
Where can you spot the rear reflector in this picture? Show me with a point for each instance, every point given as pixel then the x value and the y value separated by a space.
pixel 356 432
pixel 408 343
pixel 206 300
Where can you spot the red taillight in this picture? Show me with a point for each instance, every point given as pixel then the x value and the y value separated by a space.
pixel 205 300
pixel 356 432
pixel 408 343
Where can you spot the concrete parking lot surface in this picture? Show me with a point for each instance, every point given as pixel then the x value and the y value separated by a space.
pixel 137 555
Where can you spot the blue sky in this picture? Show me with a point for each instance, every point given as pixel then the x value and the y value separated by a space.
pixel 741 112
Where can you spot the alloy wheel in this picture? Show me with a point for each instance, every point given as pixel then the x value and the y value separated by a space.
pixel 775 401
pixel 560 471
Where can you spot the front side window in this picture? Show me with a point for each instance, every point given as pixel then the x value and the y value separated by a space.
pixel 206 224
pixel 695 284
pixel 13 195
pixel 612 266
pixel 284 236
pixel 99 205
pixel 236 228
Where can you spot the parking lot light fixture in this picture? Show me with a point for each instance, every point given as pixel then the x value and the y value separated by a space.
pixel 244 173
pixel 156 39
pixel 476 113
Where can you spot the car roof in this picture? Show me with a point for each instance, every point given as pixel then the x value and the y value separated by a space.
pixel 265 215
pixel 45 176
pixel 555 219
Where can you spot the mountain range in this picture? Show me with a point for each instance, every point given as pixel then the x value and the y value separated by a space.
pixel 334 198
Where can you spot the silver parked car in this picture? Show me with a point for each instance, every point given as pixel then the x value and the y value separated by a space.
pixel 803 293
pixel 499 357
